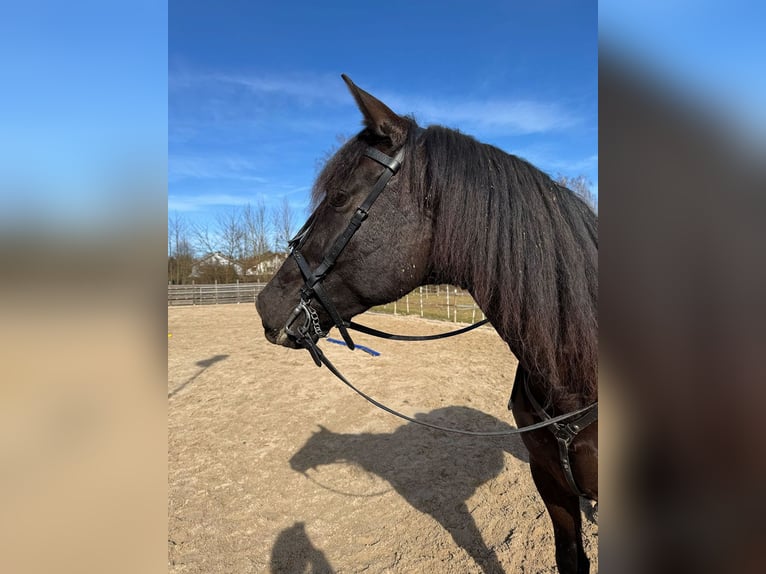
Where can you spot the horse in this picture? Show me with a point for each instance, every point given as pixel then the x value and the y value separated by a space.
pixel 399 206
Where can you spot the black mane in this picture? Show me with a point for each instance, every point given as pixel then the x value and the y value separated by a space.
pixel 524 246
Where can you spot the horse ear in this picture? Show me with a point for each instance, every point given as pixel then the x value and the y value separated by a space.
pixel 377 115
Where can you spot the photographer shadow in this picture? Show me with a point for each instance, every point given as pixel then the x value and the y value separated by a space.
pixel 293 553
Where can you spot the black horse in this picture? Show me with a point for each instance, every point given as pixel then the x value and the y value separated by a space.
pixel 449 209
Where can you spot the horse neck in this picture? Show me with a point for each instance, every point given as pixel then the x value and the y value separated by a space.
pixel 539 303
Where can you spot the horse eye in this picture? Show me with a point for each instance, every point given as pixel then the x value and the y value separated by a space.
pixel 339 199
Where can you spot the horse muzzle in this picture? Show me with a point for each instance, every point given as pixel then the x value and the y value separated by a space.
pixel 301 329
pixel 280 337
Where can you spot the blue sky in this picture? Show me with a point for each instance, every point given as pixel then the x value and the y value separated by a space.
pixel 228 102
pixel 255 98
pixel 83 110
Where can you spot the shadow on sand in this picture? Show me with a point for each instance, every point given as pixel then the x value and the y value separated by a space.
pixel 203 365
pixel 434 471
pixel 293 553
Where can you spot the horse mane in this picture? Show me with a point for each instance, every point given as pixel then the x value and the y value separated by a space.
pixel 523 245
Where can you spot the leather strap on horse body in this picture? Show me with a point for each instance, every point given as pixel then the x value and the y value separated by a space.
pixel 383 335
pixel 565 433
pixel 313 288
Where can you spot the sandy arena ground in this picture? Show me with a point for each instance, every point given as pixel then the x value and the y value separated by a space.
pixel 275 466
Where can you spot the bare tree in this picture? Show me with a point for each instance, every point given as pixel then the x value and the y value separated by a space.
pixel 180 252
pixel 226 236
pixel 284 223
pixel 221 247
pixel 582 186
pixel 256 229
pixel 230 230
pixel 239 235
pixel 204 239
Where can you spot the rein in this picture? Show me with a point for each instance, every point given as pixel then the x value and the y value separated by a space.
pixel 392 337
pixel 305 332
pixel 537 426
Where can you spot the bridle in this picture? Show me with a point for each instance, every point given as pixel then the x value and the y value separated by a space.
pixel 312 280
pixel 303 324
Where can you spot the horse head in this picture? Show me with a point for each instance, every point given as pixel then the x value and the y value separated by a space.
pixel 322 448
pixel 386 255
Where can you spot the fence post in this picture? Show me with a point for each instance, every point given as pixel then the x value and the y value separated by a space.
pixel 455 313
pixel 447 303
pixel 421 300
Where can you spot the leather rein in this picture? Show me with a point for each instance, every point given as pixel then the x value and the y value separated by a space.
pixel 304 331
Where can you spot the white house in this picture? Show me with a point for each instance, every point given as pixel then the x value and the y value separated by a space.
pixel 214 260
pixel 268 266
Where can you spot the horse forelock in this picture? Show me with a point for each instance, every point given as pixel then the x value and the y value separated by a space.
pixel 341 163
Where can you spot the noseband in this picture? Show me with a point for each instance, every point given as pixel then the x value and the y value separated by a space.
pixel 304 331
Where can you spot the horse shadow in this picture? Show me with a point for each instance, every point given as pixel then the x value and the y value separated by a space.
pixel 434 471
pixel 293 553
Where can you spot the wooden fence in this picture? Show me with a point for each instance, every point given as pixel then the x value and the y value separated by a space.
pixel 444 302
pixel 215 294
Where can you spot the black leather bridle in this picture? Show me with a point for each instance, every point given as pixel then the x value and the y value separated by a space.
pixel 305 332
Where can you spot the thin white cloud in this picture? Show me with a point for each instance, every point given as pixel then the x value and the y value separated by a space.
pixel 202 202
pixel 552 160
pixel 184 167
pixel 321 89
pixel 507 116
pixel 205 201
pixel 304 88
pixel 576 165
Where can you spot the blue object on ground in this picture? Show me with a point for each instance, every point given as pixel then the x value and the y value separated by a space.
pixel 363 348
